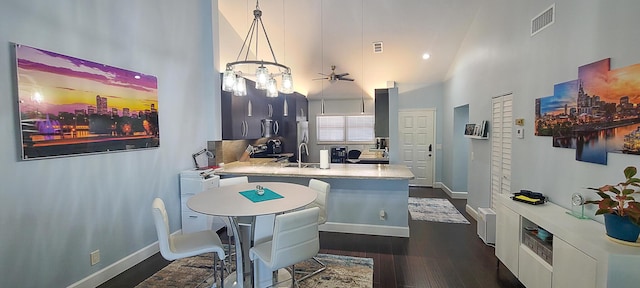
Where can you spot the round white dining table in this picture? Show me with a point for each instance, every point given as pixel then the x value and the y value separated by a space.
pixel 227 201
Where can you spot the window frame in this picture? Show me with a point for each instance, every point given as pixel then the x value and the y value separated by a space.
pixel 345 130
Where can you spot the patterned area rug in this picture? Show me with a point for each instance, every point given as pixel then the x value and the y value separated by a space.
pixel 342 271
pixel 435 210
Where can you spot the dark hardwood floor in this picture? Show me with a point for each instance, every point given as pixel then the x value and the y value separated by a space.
pixel 436 255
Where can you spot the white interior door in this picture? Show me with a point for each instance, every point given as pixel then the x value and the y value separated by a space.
pixel 501 136
pixel 417 144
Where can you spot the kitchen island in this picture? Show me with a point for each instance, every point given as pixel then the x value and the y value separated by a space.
pixel 364 199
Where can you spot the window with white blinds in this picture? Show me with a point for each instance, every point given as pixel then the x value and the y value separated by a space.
pixel 360 128
pixel 345 128
pixel 501 136
pixel 330 128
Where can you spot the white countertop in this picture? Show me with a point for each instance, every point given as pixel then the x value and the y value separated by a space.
pixel 351 171
pixel 585 234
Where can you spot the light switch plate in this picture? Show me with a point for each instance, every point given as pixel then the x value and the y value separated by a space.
pixel 520 132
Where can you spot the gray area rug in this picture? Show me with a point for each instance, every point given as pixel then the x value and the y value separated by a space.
pixel 342 271
pixel 435 210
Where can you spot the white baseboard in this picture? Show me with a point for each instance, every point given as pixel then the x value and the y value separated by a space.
pixel 472 212
pixel 452 194
pixel 104 274
pixel 365 229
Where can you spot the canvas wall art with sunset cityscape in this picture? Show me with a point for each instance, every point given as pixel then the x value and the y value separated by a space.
pixel 595 114
pixel 69 106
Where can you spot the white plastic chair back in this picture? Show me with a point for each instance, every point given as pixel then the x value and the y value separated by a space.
pixel 234 181
pixel 182 245
pixel 161 221
pixel 295 238
pixel 323 189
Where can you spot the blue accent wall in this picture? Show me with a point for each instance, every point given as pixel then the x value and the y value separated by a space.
pixel 54 212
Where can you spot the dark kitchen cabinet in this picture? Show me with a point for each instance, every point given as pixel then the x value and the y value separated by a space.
pixel 242 115
pixel 274 114
pixel 382 112
pixel 236 117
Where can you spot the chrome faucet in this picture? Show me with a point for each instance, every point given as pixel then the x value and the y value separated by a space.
pixel 306 150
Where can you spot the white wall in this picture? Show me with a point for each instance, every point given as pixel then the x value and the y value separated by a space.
pixel 54 212
pixel 500 56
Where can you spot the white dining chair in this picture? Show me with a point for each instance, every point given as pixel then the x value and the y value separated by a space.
pixel 323 189
pixel 243 221
pixel 233 181
pixel 179 246
pixel 295 239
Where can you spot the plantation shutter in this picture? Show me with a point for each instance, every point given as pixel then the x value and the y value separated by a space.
pixel 501 136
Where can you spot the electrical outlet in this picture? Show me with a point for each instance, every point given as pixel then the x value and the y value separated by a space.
pixel 95 257
pixel 383 215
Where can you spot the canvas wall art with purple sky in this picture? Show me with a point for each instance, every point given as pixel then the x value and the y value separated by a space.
pixel 72 106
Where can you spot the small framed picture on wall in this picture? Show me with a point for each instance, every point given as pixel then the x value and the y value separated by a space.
pixel 469 129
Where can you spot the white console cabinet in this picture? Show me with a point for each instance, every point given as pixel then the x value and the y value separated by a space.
pixel 580 254
pixel 193 182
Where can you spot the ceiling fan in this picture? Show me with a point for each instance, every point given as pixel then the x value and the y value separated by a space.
pixel 334 77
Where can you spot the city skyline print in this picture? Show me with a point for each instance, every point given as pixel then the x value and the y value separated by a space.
pixel 70 106
pixel 596 114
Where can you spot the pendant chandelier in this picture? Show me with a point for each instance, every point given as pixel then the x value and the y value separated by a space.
pixel 233 80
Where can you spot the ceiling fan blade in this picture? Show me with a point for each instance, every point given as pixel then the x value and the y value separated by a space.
pixel 323 74
pixel 323 78
pixel 342 74
pixel 345 79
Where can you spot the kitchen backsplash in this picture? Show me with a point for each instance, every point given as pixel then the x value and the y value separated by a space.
pixel 227 151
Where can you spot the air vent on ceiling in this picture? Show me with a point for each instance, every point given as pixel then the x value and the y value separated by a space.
pixel 377 47
pixel 543 20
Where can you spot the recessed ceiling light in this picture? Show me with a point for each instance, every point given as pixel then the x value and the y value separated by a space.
pixel 426 56
pixel 137 76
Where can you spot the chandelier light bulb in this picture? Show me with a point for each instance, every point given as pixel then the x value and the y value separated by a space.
pixel 240 89
pixel 228 80
pixel 287 83
pixel 262 77
pixel 272 88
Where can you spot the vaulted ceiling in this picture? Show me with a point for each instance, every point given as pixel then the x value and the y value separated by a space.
pixel 311 35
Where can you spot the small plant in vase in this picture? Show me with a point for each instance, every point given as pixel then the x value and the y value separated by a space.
pixel 620 209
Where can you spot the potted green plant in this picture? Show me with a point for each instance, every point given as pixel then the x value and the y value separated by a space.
pixel 620 209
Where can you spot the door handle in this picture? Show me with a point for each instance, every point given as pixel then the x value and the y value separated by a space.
pixel 262 128
pixel 270 110
pixel 276 127
pixel 246 128
pixel 430 148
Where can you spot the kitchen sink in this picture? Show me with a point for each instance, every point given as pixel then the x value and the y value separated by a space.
pixel 304 165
